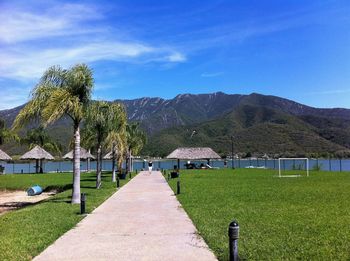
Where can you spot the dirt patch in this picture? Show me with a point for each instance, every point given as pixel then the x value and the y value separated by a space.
pixel 11 200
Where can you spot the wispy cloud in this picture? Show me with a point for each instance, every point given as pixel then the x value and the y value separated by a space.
pixel 60 20
pixel 330 92
pixel 61 34
pixel 13 96
pixel 213 74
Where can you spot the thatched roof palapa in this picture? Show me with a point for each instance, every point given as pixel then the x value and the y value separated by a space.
pixel 37 153
pixel 108 156
pixel 84 155
pixel 4 156
pixel 193 154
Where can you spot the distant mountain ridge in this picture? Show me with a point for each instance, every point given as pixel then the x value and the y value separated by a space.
pixel 217 116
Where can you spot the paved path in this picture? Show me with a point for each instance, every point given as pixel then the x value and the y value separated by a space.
pixel 142 221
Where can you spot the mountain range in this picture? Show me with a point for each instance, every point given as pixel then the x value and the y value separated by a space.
pixel 255 123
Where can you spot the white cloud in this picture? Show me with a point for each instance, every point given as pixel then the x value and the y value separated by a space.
pixel 214 74
pixel 60 20
pixel 66 34
pixel 176 57
pixel 30 63
pixel 12 97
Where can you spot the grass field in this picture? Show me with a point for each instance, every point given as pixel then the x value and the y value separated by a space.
pixel 26 232
pixel 280 218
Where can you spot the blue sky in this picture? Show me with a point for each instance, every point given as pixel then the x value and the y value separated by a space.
pixel 294 49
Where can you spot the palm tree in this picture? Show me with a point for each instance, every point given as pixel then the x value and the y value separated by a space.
pixel 98 120
pixel 61 92
pixel 136 139
pixel 38 136
pixel 116 138
pixel 6 134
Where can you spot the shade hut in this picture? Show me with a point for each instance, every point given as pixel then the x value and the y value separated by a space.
pixel 198 153
pixel 4 156
pixel 84 155
pixel 38 154
pixel 109 155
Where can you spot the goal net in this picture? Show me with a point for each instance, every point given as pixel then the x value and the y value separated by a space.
pixel 293 167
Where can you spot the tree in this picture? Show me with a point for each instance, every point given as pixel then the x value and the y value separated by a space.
pixel 39 136
pixel 61 92
pixel 117 139
pixel 6 134
pixel 136 139
pixel 98 124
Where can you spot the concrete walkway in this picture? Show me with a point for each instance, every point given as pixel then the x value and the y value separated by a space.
pixel 142 221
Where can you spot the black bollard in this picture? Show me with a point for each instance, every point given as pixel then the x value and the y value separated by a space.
pixel 118 182
pixel 178 187
pixel 130 175
pixel 233 235
pixel 82 203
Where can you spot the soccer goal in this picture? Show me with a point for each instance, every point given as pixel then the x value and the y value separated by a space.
pixel 298 165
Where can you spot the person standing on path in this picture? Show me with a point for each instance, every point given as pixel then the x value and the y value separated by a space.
pixel 150 165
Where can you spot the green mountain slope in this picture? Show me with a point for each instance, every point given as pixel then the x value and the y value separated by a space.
pixel 256 130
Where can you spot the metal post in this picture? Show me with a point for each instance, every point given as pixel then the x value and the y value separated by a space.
pixel 82 203
pixel 233 234
pixel 330 164
pixel 178 187
pixel 233 164
pixel 340 166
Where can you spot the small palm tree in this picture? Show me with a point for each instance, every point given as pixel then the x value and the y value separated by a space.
pixel 39 136
pixel 98 120
pixel 59 93
pixel 116 138
pixel 6 134
pixel 136 139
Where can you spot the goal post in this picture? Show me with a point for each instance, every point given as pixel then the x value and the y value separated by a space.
pixel 306 160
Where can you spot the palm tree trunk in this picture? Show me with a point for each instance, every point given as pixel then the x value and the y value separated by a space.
pixel 76 167
pixel 131 162
pixel 113 163
pixel 88 163
pixel 127 162
pixel 98 167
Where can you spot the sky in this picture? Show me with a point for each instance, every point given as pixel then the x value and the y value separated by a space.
pixel 298 50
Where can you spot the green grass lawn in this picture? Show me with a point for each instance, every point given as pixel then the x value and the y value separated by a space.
pixel 26 232
pixel 280 218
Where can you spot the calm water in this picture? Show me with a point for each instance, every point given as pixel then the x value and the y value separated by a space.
pixel 65 166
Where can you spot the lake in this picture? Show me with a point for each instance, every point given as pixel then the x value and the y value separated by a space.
pixel 66 166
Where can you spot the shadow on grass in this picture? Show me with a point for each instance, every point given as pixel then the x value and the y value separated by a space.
pixel 58 188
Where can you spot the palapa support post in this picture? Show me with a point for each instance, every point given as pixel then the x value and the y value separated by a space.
pixel 233 234
pixel 82 203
